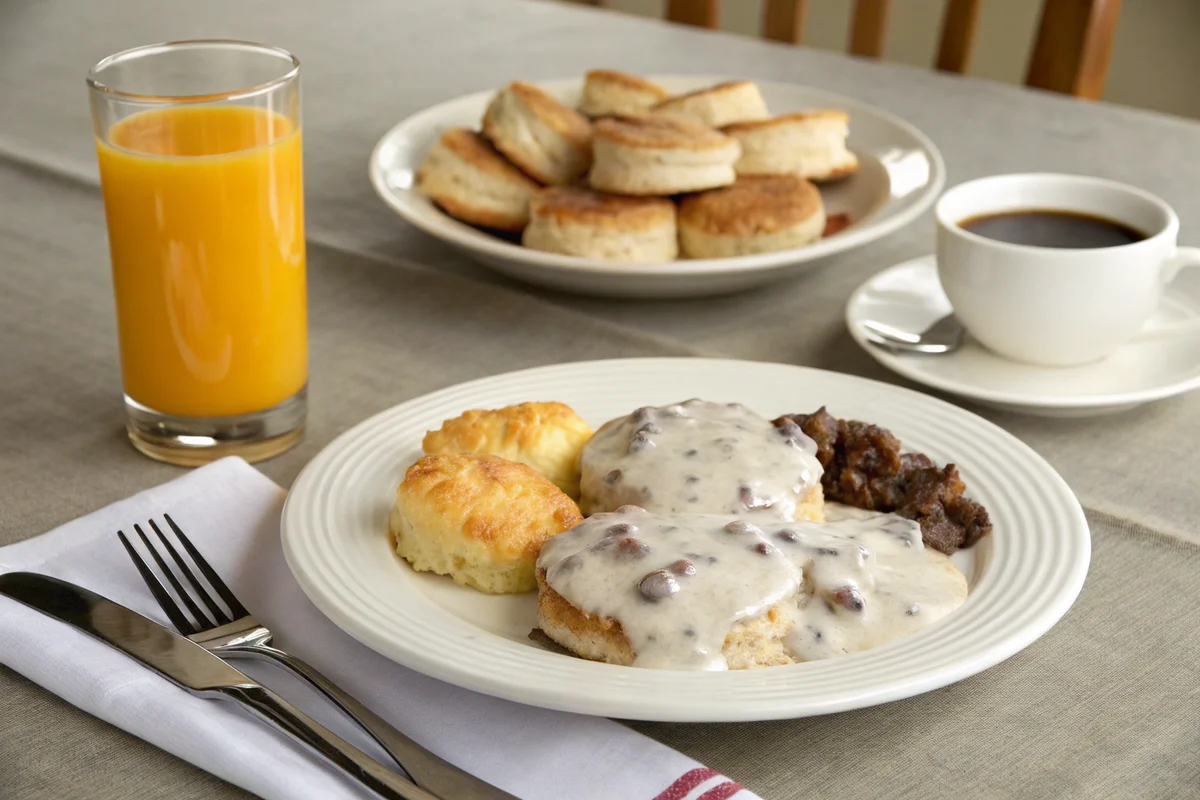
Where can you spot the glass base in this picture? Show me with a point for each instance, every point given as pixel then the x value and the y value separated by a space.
pixel 193 441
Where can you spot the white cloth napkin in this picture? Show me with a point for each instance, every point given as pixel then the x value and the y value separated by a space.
pixel 231 512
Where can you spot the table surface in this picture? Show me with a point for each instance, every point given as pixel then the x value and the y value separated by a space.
pixel 395 314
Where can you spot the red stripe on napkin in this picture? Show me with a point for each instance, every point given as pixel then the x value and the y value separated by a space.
pixel 722 792
pixel 688 781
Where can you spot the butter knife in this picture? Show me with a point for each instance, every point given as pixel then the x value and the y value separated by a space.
pixel 194 669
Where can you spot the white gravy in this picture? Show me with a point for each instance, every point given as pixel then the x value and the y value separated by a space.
pixel 678 583
pixel 698 457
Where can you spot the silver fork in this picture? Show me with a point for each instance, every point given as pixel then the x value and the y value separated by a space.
pixel 236 633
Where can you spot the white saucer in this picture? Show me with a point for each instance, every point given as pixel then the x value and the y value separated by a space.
pixel 908 296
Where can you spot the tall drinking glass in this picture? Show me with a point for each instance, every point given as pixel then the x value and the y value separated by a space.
pixel 200 166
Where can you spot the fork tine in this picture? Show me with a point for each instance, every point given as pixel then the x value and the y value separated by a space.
pixel 201 619
pixel 215 610
pixel 214 580
pixel 165 601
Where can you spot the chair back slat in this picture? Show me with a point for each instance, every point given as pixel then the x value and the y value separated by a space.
pixel 783 20
pixel 698 13
pixel 958 35
pixel 1070 55
pixel 1073 47
pixel 868 30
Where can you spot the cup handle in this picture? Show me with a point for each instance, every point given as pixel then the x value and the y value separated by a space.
pixel 1182 257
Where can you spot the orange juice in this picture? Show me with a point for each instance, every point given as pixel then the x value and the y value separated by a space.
pixel 205 210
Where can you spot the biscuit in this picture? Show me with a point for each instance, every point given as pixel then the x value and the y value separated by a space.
pixel 472 182
pixel 811 144
pixel 545 436
pixel 705 591
pixel 718 105
pixel 607 92
pixel 660 155
pixel 755 215
pixel 546 139
pixel 754 642
pixel 480 519
pixel 583 223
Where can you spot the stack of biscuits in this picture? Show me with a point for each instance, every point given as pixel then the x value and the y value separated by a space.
pixel 637 175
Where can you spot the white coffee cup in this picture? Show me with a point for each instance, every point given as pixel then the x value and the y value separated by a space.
pixel 1050 306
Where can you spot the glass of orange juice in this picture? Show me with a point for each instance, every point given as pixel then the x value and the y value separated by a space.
pixel 200 165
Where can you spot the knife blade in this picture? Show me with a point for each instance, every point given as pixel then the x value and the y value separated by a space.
pixel 191 667
pixel 176 658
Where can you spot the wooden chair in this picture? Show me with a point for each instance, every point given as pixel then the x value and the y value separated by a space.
pixel 1071 55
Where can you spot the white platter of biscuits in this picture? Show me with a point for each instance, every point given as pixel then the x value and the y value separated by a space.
pixel 659 186
pixel 686 539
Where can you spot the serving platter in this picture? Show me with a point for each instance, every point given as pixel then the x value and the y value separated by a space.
pixel 901 173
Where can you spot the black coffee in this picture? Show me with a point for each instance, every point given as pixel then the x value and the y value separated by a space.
pixel 1052 229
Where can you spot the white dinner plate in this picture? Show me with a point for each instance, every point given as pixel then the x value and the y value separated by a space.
pixel 1022 578
pixel 909 296
pixel 900 175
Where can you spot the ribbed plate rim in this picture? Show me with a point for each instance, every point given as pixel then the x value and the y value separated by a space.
pixel 1033 568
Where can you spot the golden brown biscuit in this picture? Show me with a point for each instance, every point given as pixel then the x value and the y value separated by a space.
pixel 754 642
pixel 718 105
pixel 811 144
pixel 755 215
pixel 588 224
pixel 703 591
pixel 828 116
pixel 660 155
pixel 607 92
pixel 471 181
pixel 546 436
pixel 546 139
pixel 662 133
pixel 760 641
pixel 480 519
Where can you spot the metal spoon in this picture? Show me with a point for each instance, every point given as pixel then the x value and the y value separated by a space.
pixel 946 335
pixel 943 336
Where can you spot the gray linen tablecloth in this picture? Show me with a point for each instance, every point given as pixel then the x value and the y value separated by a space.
pixel 1105 705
